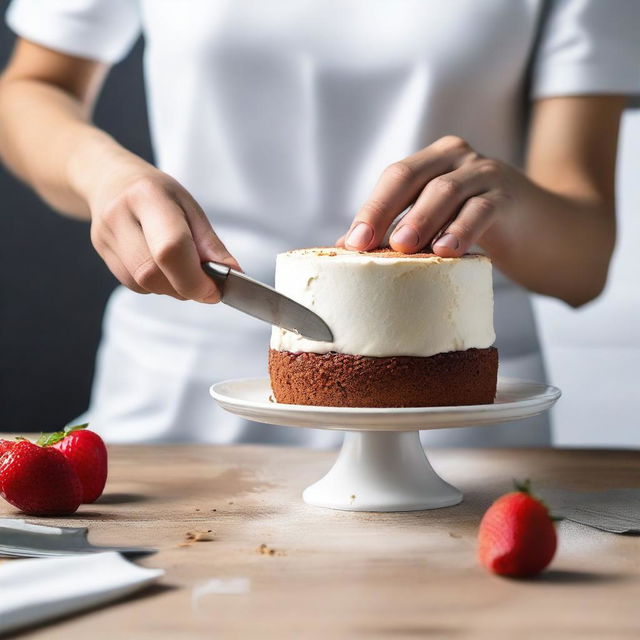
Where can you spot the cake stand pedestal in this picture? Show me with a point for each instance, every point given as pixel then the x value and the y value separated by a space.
pixel 382 465
pixel 382 471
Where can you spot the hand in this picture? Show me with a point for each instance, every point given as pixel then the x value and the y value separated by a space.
pixel 456 196
pixel 152 234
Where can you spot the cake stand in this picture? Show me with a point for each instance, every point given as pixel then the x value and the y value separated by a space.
pixel 382 465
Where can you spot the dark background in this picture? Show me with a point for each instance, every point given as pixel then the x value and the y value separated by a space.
pixel 53 286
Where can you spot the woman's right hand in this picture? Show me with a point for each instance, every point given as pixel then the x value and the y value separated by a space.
pixel 152 234
pixel 148 229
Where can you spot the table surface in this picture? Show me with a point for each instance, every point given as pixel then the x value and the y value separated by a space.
pixel 333 574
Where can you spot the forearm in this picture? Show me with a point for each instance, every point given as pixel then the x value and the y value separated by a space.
pixel 555 245
pixel 46 139
pixel 148 229
pixel 562 228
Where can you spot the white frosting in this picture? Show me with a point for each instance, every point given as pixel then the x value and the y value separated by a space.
pixel 388 306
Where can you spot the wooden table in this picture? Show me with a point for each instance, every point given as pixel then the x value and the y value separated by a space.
pixel 330 574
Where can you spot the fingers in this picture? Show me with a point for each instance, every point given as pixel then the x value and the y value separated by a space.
pixel 135 254
pixel 398 187
pixel 439 202
pixel 173 251
pixel 117 237
pixel 120 271
pixel 208 245
pixel 154 237
pixel 475 217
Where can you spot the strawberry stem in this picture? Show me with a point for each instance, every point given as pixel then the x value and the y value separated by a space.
pixel 524 487
pixel 75 427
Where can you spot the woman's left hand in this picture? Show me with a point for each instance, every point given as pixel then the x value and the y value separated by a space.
pixel 456 195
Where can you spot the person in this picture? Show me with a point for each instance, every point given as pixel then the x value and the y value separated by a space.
pixel 283 124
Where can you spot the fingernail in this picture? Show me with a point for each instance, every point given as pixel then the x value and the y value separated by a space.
pixel 360 236
pixel 447 241
pixel 406 236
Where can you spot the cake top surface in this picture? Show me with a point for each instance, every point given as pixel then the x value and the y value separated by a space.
pixel 383 303
pixel 384 254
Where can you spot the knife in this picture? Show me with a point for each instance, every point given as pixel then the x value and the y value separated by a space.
pixel 265 303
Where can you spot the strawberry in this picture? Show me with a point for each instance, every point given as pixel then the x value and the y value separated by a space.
pixel 6 445
pixel 86 451
pixel 39 481
pixel 517 536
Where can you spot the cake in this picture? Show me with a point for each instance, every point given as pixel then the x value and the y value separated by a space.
pixel 409 330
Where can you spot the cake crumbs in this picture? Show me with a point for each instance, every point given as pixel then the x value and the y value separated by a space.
pixel 266 550
pixel 196 536
pixel 453 534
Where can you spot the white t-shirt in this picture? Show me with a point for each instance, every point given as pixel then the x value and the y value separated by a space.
pixel 278 117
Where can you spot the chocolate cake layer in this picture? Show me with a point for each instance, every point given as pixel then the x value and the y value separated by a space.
pixel 341 380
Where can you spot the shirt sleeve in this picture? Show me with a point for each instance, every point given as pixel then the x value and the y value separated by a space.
pixel 103 30
pixel 588 47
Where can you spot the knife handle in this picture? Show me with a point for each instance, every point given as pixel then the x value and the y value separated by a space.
pixel 217 272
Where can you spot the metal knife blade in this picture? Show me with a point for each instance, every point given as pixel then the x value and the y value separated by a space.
pixel 265 303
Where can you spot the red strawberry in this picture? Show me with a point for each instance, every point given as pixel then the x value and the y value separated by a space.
pixel 517 536
pixel 86 451
pixel 6 445
pixel 39 481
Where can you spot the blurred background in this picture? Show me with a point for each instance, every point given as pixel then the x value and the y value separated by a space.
pixel 53 288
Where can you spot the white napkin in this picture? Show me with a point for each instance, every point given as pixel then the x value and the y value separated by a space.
pixel 37 590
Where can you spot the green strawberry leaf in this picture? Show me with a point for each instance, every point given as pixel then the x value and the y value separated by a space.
pixel 48 439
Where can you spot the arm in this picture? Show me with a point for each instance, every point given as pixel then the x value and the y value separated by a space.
pixel 148 229
pixel 552 229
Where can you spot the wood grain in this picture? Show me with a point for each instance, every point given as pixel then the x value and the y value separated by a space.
pixel 314 573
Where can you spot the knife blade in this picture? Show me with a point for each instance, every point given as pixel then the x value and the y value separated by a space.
pixel 265 303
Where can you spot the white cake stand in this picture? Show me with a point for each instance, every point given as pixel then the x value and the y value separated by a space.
pixel 382 465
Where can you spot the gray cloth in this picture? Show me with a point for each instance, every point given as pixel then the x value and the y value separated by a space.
pixel 615 510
